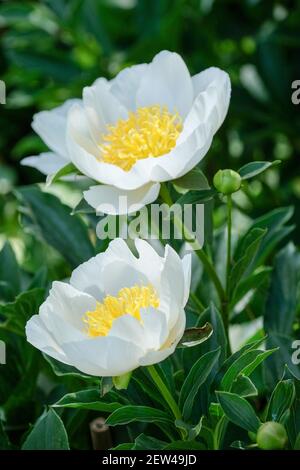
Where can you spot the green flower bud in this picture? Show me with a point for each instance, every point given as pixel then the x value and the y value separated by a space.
pixel 271 436
pixel 227 181
pixel 252 436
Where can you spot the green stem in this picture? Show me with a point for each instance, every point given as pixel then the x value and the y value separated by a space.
pixel 229 224
pixel 164 391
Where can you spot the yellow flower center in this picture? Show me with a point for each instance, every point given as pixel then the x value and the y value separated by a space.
pixel 129 300
pixel 149 132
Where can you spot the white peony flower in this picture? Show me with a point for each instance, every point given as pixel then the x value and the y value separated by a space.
pixel 117 313
pixel 150 124
pixel 51 127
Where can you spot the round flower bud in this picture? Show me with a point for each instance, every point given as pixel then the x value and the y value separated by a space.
pixel 271 436
pixel 227 181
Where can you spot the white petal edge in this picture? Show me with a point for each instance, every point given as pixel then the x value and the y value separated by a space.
pixel 167 82
pixel 51 127
pixel 115 201
pixel 38 335
pixel 47 163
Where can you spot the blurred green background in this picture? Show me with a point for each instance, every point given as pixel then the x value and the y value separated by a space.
pixel 50 49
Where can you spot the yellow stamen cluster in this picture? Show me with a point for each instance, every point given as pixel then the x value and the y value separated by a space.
pixel 129 300
pixel 149 132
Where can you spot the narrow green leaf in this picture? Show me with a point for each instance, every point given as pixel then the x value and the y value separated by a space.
pixel 281 400
pixel 10 279
pixel 48 433
pixel 244 387
pixel 245 364
pixel 194 336
pixel 61 369
pixel 196 377
pixel 87 400
pixel 282 298
pixel 17 313
pixel 185 445
pixel 52 220
pixel 83 208
pixel 238 411
pixel 242 266
pixel 194 179
pixel 68 169
pixel 144 442
pixel 191 431
pixel 255 168
pixel 194 197
pixel 144 414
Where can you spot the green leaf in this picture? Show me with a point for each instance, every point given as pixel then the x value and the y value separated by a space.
pixel 121 382
pixel 124 446
pixel 284 356
pixel 68 169
pixel 297 443
pixel 245 364
pixel 190 431
pixel 10 280
pixel 282 299
pixel 17 313
pixel 195 336
pixel 194 197
pixel 4 441
pixel 252 282
pixel 238 445
pixel 218 339
pixel 196 377
pixel 48 433
pixel 144 414
pixel 144 442
pixel 194 179
pixel 274 222
pixel 244 387
pixel 220 431
pixel 61 369
pixel 87 400
pixel 238 411
pixel 255 168
pixel 68 234
pixel 281 400
pixel 83 208
pixel 242 265
pixel 185 445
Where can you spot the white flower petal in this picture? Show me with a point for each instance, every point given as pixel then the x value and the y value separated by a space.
pixel 118 274
pixel 88 277
pixel 38 335
pixel 126 83
pixel 153 357
pixel 215 83
pixel 149 262
pixel 47 163
pixel 183 157
pixel 187 273
pixel 68 304
pixel 115 201
pixel 155 328
pixel 85 155
pixel 51 127
pixel 103 356
pixel 102 108
pixel 167 82
pixel 172 286
pixel 128 329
